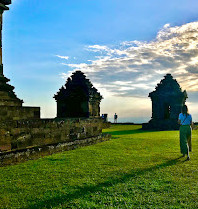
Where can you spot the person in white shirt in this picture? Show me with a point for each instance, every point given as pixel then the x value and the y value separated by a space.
pixel 185 131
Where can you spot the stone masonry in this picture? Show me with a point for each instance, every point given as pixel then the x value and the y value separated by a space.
pixel 167 101
pixel 23 134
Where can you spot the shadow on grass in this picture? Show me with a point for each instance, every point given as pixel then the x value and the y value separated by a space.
pixel 126 132
pixel 82 191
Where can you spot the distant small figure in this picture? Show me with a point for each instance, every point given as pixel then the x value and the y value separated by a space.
pixel 115 118
pixel 185 131
pixel 104 117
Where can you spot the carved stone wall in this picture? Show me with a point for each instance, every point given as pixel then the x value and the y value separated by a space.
pixel 19 113
pixel 30 133
pixel 31 153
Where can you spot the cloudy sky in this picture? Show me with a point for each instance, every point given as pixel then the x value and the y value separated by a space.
pixel 124 47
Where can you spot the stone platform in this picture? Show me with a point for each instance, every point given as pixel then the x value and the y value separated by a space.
pixel 32 153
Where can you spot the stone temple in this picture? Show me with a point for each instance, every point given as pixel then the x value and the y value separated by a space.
pixel 10 105
pixel 167 101
pixel 24 135
pixel 78 98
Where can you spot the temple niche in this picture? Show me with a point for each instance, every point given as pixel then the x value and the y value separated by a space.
pixel 78 98
pixel 167 100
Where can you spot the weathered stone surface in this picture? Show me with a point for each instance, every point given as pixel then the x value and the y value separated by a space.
pixel 167 100
pixel 25 133
pixel 7 95
pixel 19 113
pixel 16 156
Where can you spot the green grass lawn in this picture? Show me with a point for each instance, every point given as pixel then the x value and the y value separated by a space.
pixel 136 169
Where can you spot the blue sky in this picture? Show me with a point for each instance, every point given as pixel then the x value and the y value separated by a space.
pixel 124 47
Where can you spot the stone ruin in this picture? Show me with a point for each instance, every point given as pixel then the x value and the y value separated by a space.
pixel 11 106
pixel 23 135
pixel 167 101
pixel 78 98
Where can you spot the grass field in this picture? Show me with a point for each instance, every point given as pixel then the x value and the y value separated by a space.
pixel 136 169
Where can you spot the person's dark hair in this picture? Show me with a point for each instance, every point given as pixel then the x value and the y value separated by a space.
pixel 185 110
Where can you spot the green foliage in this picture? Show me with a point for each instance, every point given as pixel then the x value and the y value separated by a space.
pixel 136 169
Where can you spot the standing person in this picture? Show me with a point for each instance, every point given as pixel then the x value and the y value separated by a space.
pixel 185 131
pixel 115 118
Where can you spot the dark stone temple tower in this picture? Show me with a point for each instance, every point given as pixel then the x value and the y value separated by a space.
pixel 7 96
pixel 167 100
pixel 11 106
pixel 78 98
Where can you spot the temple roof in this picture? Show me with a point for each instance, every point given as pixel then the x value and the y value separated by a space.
pixel 78 81
pixel 168 85
pixel 5 2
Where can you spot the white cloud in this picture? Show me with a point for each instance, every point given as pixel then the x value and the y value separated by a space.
pixel 134 68
pixel 63 57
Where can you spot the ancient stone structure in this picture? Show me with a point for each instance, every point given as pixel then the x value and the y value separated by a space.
pixel 31 139
pixel 78 98
pixel 10 105
pixel 23 135
pixel 167 100
pixel 7 96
